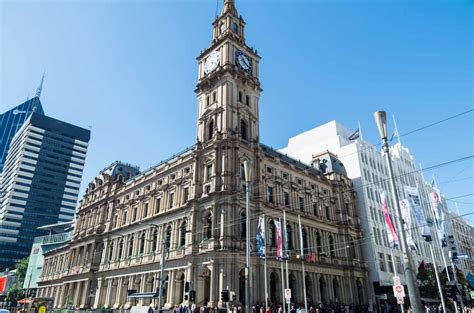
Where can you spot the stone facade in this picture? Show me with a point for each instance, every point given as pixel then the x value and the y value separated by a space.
pixel 193 204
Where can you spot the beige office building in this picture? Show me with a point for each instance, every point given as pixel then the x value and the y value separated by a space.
pixel 193 207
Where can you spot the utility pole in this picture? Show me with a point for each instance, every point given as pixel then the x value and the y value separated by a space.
pixel 381 121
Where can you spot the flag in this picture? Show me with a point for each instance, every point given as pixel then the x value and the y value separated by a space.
pixel 413 198
pixel 278 240
pixel 392 234
pixel 355 135
pixel 406 216
pixel 261 237
pixel 421 267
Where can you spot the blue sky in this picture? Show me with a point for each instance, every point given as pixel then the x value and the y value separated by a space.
pixel 127 69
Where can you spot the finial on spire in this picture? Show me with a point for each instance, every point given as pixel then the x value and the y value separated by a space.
pixel 40 87
pixel 229 6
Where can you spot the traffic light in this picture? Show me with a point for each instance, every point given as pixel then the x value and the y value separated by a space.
pixel 192 295
pixel 186 287
pixel 452 291
pixel 185 297
pixel 225 295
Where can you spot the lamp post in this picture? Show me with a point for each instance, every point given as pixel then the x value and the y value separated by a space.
pixel 381 121
pixel 247 236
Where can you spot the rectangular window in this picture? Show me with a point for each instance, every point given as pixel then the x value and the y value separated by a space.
pixel 214 96
pixel 301 204
pixel 382 262
pixel 270 194
pixel 389 261
pixel 171 200
pixel 207 189
pixel 185 194
pixel 240 96
pixel 157 205
pixel 134 214
pixel 247 100
pixel 398 264
pixel 209 172
pixel 286 197
pixel 327 212
pixel 207 101
pixel 124 220
pixel 145 210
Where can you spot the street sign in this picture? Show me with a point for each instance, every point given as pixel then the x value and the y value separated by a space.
pixel 400 300
pixel 288 295
pixel 398 291
pixel 396 280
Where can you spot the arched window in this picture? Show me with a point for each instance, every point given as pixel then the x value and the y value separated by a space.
pixel 208 226
pixel 130 247
pixel 142 243
pixel 305 240
pixel 168 238
pixel 331 246
pixel 272 233
pixel 210 130
pixel 243 225
pixel 120 249
pixel 335 286
pixel 243 129
pixel 318 243
pixel 154 240
pixel 182 239
pixel 288 237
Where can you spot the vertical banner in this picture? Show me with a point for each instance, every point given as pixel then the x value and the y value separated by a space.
pixel 278 239
pixel 438 214
pixel 261 237
pixel 406 216
pixel 392 234
pixel 413 198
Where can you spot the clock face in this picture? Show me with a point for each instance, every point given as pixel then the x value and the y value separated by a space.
pixel 211 62
pixel 243 61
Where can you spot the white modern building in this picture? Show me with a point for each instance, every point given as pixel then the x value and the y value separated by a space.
pixel 365 165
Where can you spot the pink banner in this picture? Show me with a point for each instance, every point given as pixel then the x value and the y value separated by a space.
pixel 392 234
pixel 278 239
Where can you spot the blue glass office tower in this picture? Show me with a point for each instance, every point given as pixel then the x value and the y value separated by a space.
pixel 40 182
pixel 12 120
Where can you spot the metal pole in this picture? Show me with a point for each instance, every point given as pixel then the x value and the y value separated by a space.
pixel 247 239
pixel 265 266
pixel 402 308
pixel 287 278
pixel 456 281
pixel 409 274
pixel 302 265
pixel 282 287
pixel 162 269
pixel 440 289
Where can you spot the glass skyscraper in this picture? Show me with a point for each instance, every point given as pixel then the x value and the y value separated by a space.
pixel 40 182
pixel 12 120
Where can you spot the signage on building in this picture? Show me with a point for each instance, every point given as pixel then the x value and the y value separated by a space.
pixel 288 295
pixel 311 257
pixel 398 291
pixel 3 283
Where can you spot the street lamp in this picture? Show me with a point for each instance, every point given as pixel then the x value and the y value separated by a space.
pixel 381 121
pixel 162 263
pixel 247 236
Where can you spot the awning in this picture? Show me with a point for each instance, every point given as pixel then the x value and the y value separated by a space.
pixel 25 300
pixel 144 295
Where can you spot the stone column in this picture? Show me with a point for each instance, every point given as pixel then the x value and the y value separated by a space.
pixel 98 294
pixel 107 301
pixel 171 287
pixel 131 282
pixel 142 288
pixel 118 295
pixel 85 294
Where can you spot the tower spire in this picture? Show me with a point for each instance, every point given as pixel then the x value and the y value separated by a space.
pixel 40 87
pixel 229 6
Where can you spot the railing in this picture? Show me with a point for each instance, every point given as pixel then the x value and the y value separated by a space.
pixel 62 237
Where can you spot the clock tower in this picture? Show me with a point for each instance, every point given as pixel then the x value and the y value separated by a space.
pixel 228 88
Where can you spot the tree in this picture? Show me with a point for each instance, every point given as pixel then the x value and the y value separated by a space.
pixel 21 267
pixel 427 282
pixel 15 292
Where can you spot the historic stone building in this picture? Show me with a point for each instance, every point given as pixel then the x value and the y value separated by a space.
pixel 193 205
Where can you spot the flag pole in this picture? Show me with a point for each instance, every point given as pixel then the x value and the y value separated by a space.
pixel 360 131
pixel 287 278
pixel 302 265
pixel 282 277
pixel 265 263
